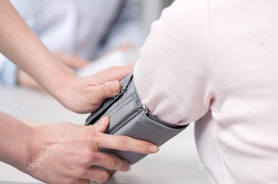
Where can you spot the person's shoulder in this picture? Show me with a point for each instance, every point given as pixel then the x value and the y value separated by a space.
pixel 182 18
pixel 185 12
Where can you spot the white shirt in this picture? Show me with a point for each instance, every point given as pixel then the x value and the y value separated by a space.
pixel 215 62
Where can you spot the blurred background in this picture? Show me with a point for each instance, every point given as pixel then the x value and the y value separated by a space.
pixel 151 10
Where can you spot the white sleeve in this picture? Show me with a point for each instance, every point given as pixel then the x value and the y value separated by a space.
pixel 172 75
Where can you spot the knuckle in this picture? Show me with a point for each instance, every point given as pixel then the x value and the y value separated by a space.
pixel 119 164
pixel 93 129
pixel 122 165
pixel 96 140
pixel 87 155
pixel 92 134
pixel 142 147
pixel 107 90
pixel 113 163
pixel 93 144
pixel 79 173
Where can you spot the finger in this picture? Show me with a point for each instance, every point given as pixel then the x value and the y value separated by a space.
pixel 125 143
pixel 110 161
pixel 111 173
pixel 97 94
pixel 110 88
pixel 83 181
pixel 101 125
pixel 96 175
pixel 114 73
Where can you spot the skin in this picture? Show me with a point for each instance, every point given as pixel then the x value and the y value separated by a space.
pixel 54 77
pixel 70 61
pixel 71 162
pixel 22 144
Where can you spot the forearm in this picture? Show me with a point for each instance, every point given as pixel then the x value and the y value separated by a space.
pixel 49 73
pixel 15 139
pixel 23 47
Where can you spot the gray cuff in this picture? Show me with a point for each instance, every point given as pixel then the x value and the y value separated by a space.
pixel 129 117
pixel 8 74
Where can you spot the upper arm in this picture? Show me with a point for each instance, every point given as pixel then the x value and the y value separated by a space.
pixel 173 73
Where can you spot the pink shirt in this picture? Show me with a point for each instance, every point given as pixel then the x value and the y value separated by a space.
pixel 215 63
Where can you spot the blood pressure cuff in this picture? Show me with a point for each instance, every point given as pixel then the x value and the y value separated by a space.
pixel 129 117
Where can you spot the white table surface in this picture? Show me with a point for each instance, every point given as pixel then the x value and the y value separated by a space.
pixel 176 163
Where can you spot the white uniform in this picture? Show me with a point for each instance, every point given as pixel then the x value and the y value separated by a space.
pixel 216 62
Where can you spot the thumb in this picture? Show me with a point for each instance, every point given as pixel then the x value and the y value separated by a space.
pixel 107 90
pixel 101 125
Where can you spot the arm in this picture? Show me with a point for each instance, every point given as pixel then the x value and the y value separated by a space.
pixel 25 80
pixel 22 46
pixel 73 149
pixel 174 65
pixel 25 147
pixel 47 70
pixel 10 74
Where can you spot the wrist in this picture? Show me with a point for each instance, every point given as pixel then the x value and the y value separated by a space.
pixel 35 147
pixel 15 144
pixel 64 88
pixel 55 79
pixel 28 141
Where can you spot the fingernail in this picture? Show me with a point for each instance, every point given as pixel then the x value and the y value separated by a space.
pixel 102 120
pixel 129 168
pixel 153 149
pixel 115 85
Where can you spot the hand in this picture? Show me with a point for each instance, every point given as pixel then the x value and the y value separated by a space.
pixel 84 95
pixel 67 153
pixel 69 61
